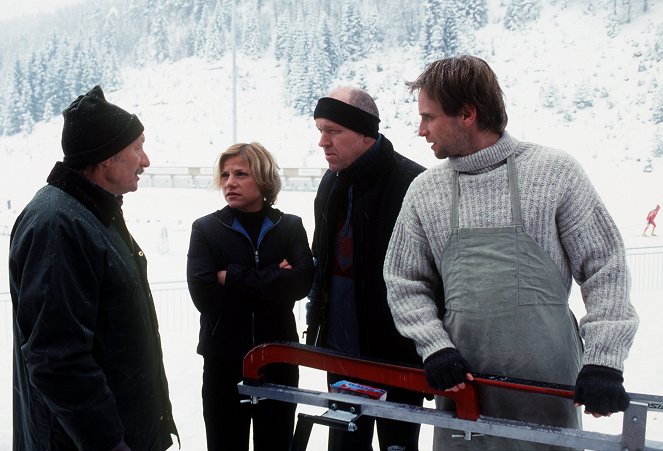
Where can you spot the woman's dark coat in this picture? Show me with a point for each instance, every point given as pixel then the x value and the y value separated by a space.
pixel 255 304
pixel 88 368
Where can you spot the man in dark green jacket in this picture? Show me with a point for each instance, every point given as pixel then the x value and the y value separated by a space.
pixel 88 371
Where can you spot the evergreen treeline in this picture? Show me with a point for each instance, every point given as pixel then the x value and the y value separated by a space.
pixel 310 39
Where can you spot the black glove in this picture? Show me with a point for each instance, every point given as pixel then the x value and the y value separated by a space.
pixel 600 389
pixel 445 368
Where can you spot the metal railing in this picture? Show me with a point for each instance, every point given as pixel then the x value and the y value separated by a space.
pixel 646 267
pixel 175 311
pixel 293 179
pixel 174 307
pixel 178 315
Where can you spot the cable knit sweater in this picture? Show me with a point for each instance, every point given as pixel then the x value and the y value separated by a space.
pixel 561 211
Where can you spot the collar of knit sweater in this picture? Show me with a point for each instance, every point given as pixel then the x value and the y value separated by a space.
pixel 487 159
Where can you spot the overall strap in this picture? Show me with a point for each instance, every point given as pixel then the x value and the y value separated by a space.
pixel 513 190
pixel 455 191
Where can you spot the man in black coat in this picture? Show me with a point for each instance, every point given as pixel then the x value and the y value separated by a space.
pixel 88 370
pixel 356 207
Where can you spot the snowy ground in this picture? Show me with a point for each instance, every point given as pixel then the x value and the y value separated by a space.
pixel 148 217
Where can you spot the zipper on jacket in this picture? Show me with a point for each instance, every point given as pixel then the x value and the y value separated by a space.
pixel 218 320
pixel 325 237
pixel 256 257
pixel 323 265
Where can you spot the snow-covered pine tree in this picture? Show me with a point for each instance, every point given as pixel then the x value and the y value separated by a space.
pixel 549 94
pixel 374 35
pixel 252 39
pixel 441 37
pixel 450 44
pixel 34 79
pixel 321 71
pixel 519 13
pixel 658 142
pixel 296 70
pixel 16 113
pixel 281 40
pixel 329 45
pixel 51 70
pixel 110 67
pixel 475 11
pixel 215 35
pixel 158 37
pixel 430 32
pixel 584 97
pixel 352 46
pixel 200 32
pixel 657 107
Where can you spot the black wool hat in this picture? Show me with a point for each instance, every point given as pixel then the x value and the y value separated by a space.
pixel 95 130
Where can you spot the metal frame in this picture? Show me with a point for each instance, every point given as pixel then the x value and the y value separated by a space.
pixel 344 408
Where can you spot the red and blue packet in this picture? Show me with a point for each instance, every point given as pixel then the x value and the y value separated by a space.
pixel 353 388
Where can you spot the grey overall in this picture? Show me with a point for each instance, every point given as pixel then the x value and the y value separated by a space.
pixel 507 313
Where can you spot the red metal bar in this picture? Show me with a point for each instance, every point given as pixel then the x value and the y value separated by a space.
pixel 544 388
pixel 467 402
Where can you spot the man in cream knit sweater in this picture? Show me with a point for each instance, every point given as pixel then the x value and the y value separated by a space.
pixel 502 226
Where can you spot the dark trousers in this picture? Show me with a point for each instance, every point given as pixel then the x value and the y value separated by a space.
pixel 398 434
pixel 228 418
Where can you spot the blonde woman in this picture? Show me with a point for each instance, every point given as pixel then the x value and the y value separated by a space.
pixel 248 263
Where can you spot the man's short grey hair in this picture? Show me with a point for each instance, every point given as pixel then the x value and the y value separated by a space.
pixel 362 100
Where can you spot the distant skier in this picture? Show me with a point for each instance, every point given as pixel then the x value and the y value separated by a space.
pixel 650 221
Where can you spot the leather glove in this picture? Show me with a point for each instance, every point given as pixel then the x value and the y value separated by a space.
pixel 600 389
pixel 445 368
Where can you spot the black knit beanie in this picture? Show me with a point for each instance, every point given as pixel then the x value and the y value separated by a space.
pixel 95 130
